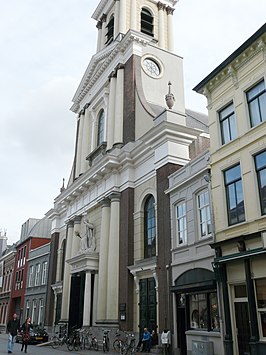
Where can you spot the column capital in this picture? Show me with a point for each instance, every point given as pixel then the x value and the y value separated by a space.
pixel 77 219
pixel 115 196
pixel 103 18
pixel 70 223
pixel 170 10
pixel 161 6
pixel 105 202
pixel 99 25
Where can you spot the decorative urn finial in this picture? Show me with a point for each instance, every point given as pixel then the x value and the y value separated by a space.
pixel 169 98
pixel 63 186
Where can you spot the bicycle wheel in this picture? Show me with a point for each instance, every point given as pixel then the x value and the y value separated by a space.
pixel 104 346
pixel 55 342
pixel 95 345
pixel 86 343
pixel 70 344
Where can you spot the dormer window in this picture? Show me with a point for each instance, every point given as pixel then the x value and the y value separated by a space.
pixel 146 22
pixel 110 31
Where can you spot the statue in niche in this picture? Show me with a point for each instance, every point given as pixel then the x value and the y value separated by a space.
pixel 88 242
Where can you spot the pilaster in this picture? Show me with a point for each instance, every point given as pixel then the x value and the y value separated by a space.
pixel 119 105
pixel 87 300
pixel 170 31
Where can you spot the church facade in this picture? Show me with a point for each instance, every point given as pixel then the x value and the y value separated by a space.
pixel 111 229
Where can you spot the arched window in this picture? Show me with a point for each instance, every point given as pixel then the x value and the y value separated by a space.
pixel 149 228
pixel 100 132
pixel 146 23
pixel 63 258
pixel 110 31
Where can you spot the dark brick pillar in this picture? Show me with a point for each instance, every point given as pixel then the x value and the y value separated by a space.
pixel 129 101
pixel 126 258
pixel 51 280
pixel 164 246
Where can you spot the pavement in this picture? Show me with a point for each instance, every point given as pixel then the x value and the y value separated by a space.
pixel 45 350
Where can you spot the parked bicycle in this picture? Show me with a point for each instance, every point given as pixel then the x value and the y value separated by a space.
pixel 92 342
pixel 118 343
pixel 106 341
pixel 57 341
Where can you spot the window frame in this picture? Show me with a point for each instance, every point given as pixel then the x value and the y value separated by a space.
pixel 100 127
pixel 256 97
pixel 260 310
pixel 146 21
pixel 183 218
pixel 37 274
pixel 260 187
pixel 150 226
pixel 235 185
pixel 207 211
pixel 110 30
pixel 44 272
pixel 227 120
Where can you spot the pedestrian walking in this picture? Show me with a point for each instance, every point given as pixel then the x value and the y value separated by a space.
pixel 12 329
pixel 26 333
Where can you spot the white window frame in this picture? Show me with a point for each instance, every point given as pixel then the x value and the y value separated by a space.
pixel 44 272
pixel 37 275
pixel 31 276
pixel 204 209
pixel 181 220
pixel 34 309
pixel 27 308
pixel 40 314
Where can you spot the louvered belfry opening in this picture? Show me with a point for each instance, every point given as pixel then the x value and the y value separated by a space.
pixel 110 31
pixel 147 22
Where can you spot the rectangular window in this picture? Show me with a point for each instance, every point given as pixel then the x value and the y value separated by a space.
pixel 24 256
pixel 204 214
pixel 228 124
pixel 34 307
pixel 44 272
pixel 204 312
pixel 40 315
pixel 261 304
pixel 37 275
pixel 234 195
pixel 181 223
pixel 27 308
pixel 256 99
pixel 31 276
pixel 260 163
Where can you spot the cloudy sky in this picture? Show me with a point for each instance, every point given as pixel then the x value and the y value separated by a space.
pixel 45 47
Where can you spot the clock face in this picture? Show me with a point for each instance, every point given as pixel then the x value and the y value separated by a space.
pixel 151 67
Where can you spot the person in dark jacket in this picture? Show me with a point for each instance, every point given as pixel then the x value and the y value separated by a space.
pixel 12 329
pixel 26 333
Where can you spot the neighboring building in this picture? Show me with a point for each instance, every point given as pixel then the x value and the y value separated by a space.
pixel 196 310
pixel 36 289
pixel 7 263
pixel 112 222
pixel 33 235
pixel 236 92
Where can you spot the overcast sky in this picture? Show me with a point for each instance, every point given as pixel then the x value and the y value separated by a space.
pixel 45 47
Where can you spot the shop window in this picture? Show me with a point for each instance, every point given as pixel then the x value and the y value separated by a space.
pixel 256 99
pixel 234 195
pixel 204 313
pixel 260 163
pixel 261 304
pixel 227 119
pixel 204 214
pixel 146 22
pixel 149 228
pixel 181 223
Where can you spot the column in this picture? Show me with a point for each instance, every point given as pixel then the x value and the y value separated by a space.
pixel 161 8
pixel 87 300
pixel 66 280
pixel 76 237
pixel 59 265
pixel 117 18
pixel 103 259
pixel 85 141
pixel 133 13
pixel 113 259
pixel 111 111
pixel 94 131
pixel 119 105
pixel 123 17
pixel 170 12
pixel 79 143
pixel 99 40
pixel 95 298
pixel 103 39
